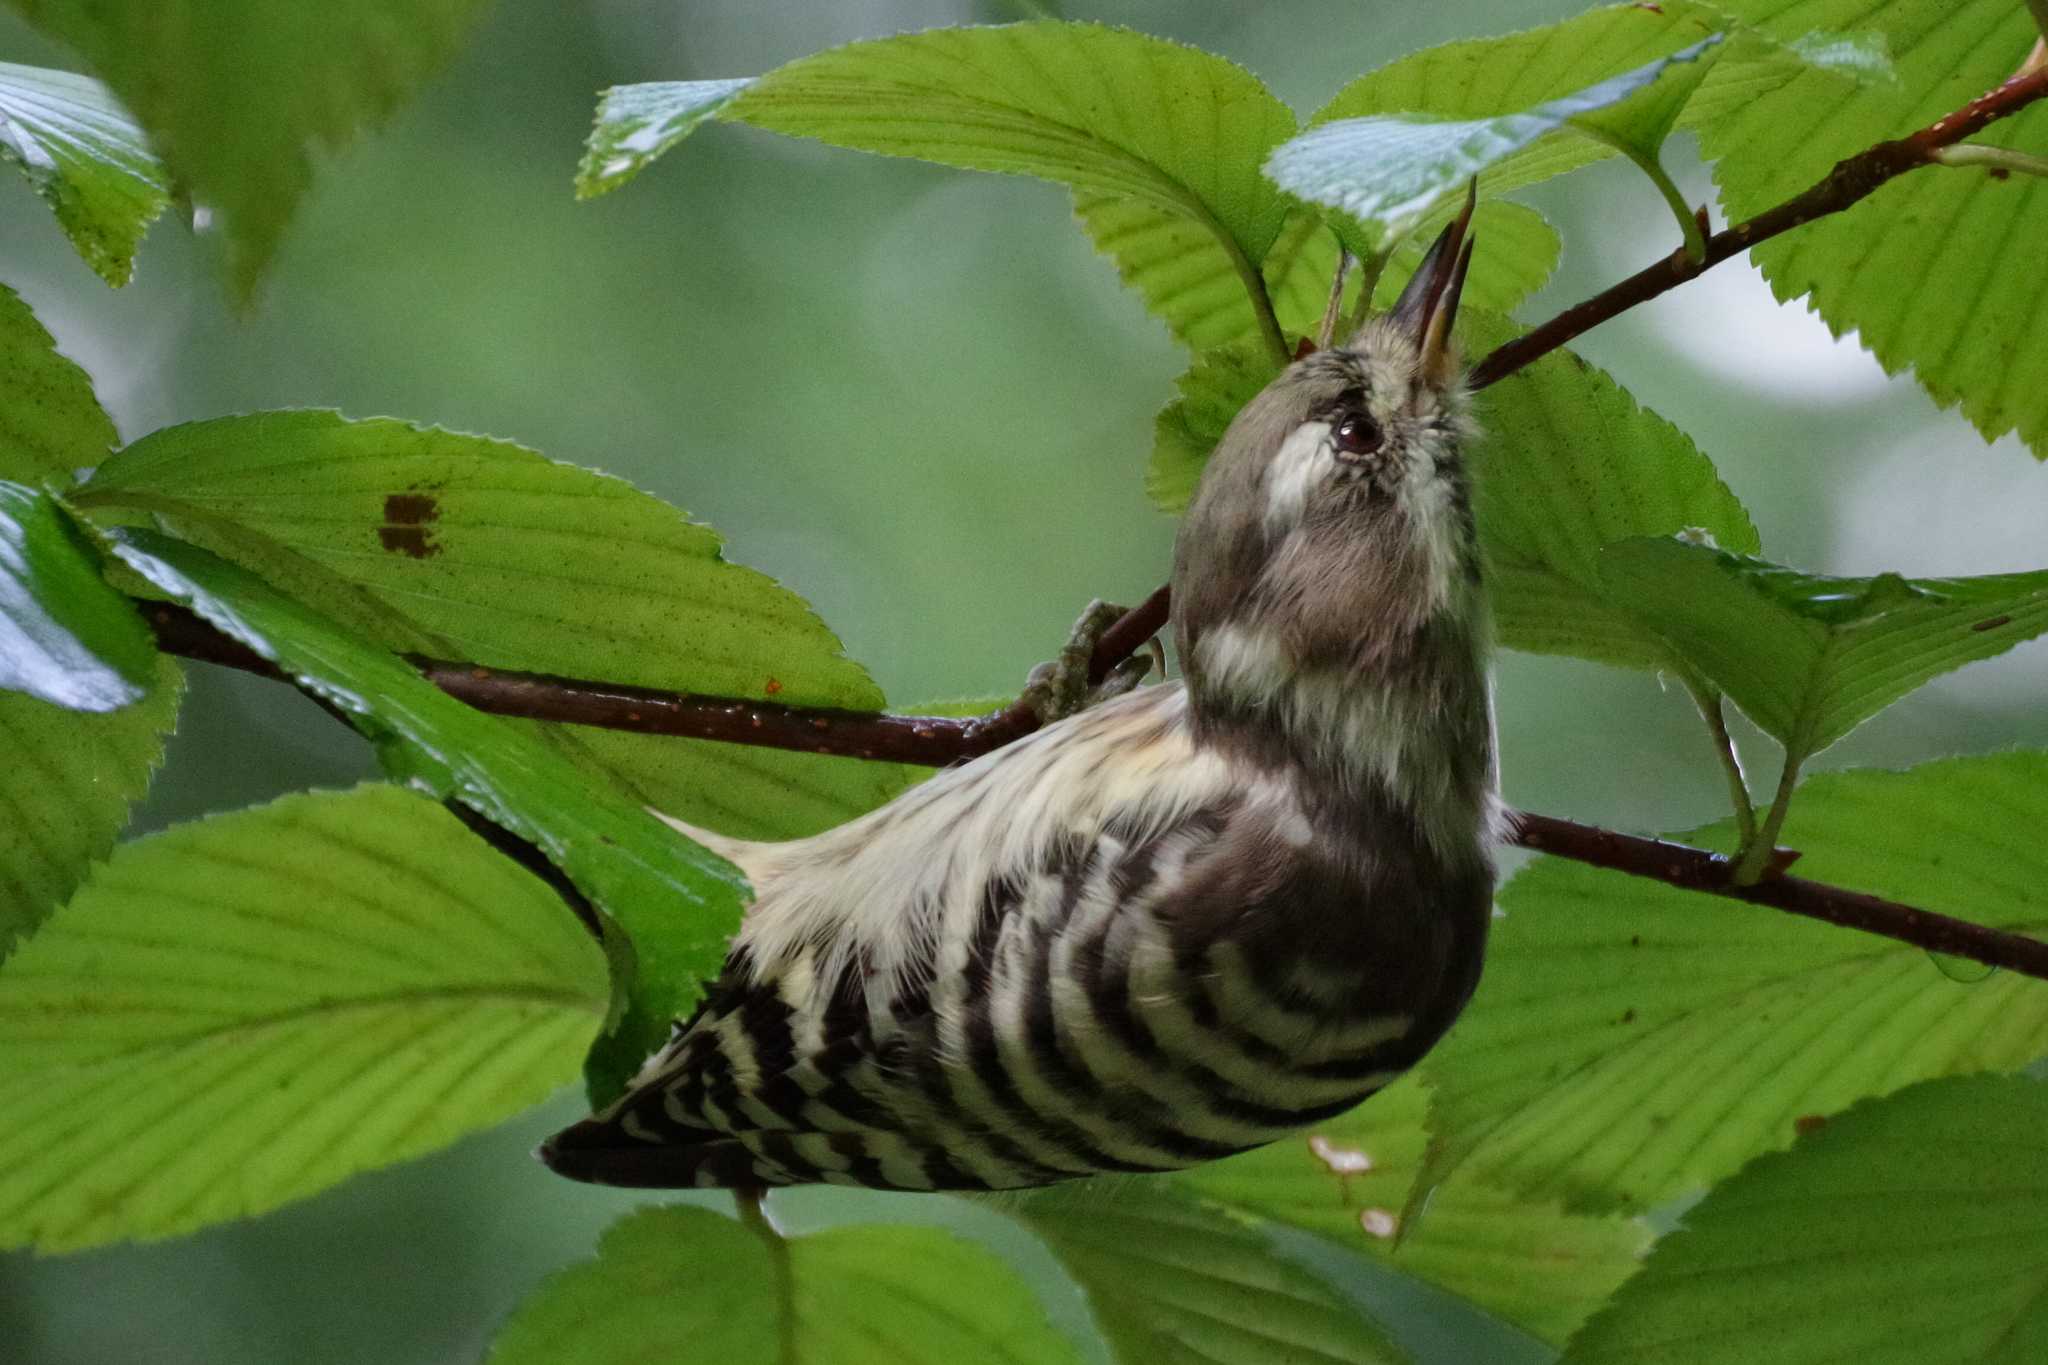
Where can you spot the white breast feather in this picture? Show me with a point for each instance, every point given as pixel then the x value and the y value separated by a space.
pixel 910 876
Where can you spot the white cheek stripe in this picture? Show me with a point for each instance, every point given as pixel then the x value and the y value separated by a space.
pixel 1303 459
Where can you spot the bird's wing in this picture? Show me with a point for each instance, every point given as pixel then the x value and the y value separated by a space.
pixel 804 1061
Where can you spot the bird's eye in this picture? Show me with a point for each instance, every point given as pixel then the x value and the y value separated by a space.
pixel 1356 434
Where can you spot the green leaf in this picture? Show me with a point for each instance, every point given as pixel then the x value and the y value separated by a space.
pixel 237 95
pixel 637 123
pixel 1391 170
pixel 678 902
pixel 468 548
pixel 51 426
pixel 1524 1260
pixel 1174 1283
pixel 65 635
pixel 1569 464
pixel 1188 280
pixel 1521 250
pixel 67 779
pixel 1911 1230
pixel 1187 429
pixel 1093 108
pixel 1485 79
pixel 1810 658
pixel 87 159
pixel 240 1012
pixel 1160 143
pixel 1632 1043
pixel 1937 271
pixel 685 1279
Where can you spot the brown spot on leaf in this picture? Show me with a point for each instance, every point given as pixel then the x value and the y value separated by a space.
pixel 1993 624
pixel 772 686
pixel 406 518
pixel 1628 1016
pixel 1809 1123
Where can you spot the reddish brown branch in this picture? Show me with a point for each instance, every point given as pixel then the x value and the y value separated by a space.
pixel 1695 869
pixel 1848 183
pixel 938 740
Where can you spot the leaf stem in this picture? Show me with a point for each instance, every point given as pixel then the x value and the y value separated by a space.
pixel 752 1208
pixel 1688 218
pixel 1262 304
pixel 1711 710
pixel 1758 849
pixel 1370 268
pixel 1992 159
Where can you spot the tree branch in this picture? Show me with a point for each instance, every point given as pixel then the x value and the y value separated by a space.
pixel 1847 184
pixel 937 741
pixel 1696 869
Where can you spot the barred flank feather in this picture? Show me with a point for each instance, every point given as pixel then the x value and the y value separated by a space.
pixel 1112 976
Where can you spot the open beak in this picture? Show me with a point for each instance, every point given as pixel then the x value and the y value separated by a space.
pixel 1429 305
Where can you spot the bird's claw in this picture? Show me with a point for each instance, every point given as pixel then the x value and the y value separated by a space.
pixel 1060 687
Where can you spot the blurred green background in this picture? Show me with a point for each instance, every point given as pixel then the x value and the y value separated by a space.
pixel 918 398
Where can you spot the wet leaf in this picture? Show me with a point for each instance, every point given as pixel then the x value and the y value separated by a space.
pixel 66 637
pixel 87 159
pixel 1389 170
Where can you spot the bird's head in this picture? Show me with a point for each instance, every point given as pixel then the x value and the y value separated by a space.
pixel 1331 543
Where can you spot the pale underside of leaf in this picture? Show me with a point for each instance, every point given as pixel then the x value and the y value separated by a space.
pixel 1906 1231
pixel 1809 658
pixel 67 779
pixel 678 902
pixel 1348 1179
pixel 688 1278
pixel 1632 1043
pixel 1937 272
pixel 1569 463
pixel 1170 1280
pixel 237 1013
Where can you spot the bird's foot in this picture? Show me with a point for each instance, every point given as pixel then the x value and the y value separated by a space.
pixel 1060 687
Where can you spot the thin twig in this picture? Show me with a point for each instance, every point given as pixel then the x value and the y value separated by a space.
pixel 939 740
pixel 1696 869
pixel 1848 183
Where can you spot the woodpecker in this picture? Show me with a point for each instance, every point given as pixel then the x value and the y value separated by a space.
pixel 1181 923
